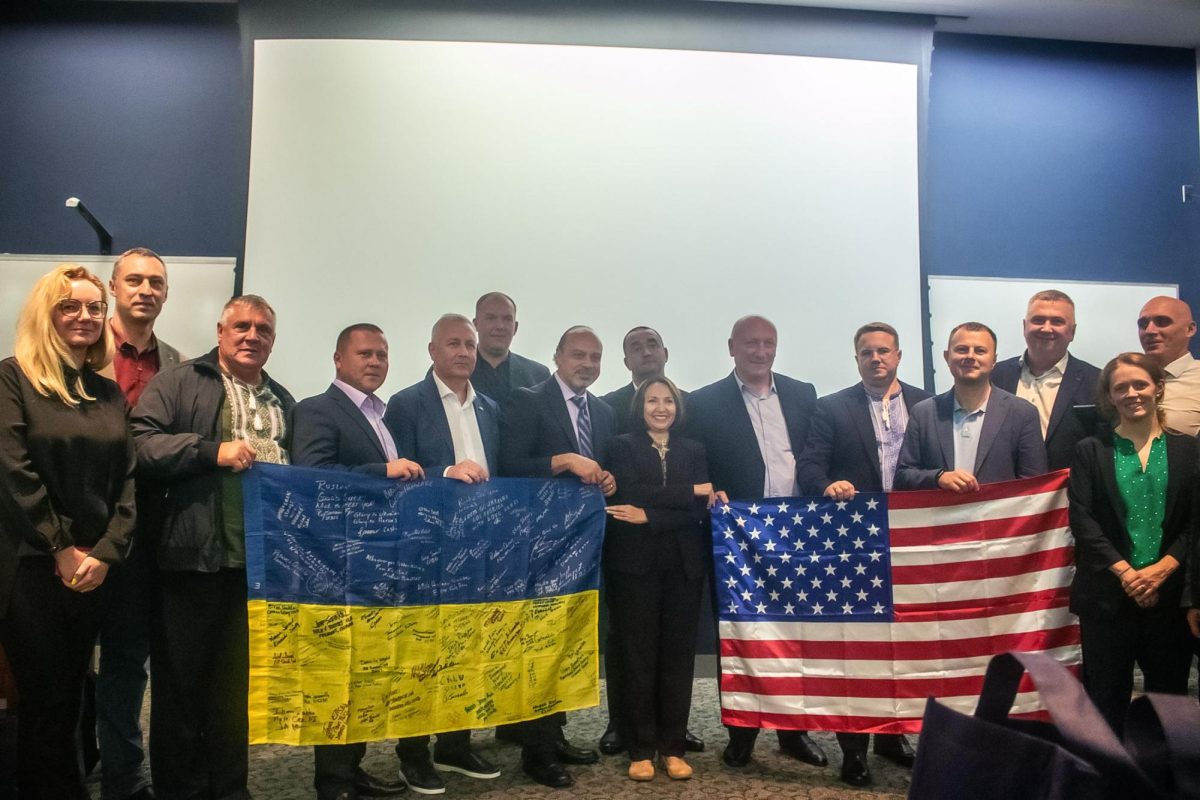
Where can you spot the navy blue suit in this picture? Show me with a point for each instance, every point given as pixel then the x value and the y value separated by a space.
pixel 1010 442
pixel 417 420
pixel 1066 429
pixel 329 431
pixel 841 444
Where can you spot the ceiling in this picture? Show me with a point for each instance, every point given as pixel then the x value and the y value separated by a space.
pixel 1170 23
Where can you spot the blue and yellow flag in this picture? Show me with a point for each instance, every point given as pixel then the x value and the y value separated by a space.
pixel 381 609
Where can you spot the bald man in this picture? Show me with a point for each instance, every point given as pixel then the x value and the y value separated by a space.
pixel 754 424
pixel 1165 329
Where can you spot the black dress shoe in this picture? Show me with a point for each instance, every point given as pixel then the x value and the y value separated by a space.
pixel 144 793
pixel 468 763
pixel 547 773
pixel 693 743
pixel 800 747
pixel 895 748
pixel 738 754
pixel 568 753
pixel 611 742
pixel 367 785
pixel 421 777
pixel 855 771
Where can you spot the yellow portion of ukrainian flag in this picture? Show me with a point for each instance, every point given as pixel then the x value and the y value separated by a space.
pixel 335 674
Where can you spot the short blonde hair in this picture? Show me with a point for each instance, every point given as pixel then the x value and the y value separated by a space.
pixel 40 351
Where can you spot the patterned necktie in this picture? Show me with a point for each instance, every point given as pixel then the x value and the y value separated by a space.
pixel 585 426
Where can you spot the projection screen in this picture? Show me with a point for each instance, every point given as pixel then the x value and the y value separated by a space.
pixel 393 181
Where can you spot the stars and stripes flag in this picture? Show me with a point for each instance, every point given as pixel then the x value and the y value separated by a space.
pixel 846 616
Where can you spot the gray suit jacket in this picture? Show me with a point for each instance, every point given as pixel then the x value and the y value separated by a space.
pixel 1010 443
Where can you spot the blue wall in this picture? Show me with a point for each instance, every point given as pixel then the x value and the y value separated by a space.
pixel 1062 159
pixel 146 121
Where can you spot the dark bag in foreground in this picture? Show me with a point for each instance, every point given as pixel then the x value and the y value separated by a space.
pixel 1162 732
pixel 991 755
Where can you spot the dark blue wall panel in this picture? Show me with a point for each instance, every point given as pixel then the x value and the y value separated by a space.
pixel 145 121
pixel 1063 160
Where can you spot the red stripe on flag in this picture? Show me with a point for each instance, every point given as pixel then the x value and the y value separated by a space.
pixel 983 530
pixel 979 569
pixel 938 498
pixel 899 688
pixel 828 722
pixel 911 651
pixel 979 608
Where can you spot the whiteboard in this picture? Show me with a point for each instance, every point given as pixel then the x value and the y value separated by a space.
pixel 198 289
pixel 394 181
pixel 1105 314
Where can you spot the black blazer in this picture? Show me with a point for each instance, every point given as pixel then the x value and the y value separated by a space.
pixel 1098 522
pixel 417 420
pixel 1066 429
pixel 328 430
pixel 1010 442
pixel 841 444
pixel 718 418
pixel 675 531
pixel 536 426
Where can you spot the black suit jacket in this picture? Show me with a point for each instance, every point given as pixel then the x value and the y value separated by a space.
pixel 1010 442
pixel 328 430
pixel 1066 429
pixel 417 419
pixel 718 418
pixel 675 532
pixel 841 444
pixel 537 426
pixel 1098 522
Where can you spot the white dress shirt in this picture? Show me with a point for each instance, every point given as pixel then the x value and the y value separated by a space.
pixel 464 427
pixel 372 408
pixel 1181 396
pixel 1042 390
pixel 770 429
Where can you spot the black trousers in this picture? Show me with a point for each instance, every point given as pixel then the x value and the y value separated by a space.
pixel 612 656
pixel 1156 639
pixel 655 618
pixel 334 767
pixel 416 748
pixel 199 664
pixel 48 634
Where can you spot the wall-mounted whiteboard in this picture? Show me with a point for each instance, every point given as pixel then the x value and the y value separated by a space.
pixel 197 290
pixel 1105 313
pixel 393 181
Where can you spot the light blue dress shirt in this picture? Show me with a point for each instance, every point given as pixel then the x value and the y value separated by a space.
pixel 967 427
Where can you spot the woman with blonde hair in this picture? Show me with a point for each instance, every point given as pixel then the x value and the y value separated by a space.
pixel 66 515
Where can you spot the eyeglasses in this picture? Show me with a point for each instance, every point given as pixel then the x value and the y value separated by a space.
pixel 97 309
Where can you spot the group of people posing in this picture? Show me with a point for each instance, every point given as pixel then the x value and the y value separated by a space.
pixel 121 508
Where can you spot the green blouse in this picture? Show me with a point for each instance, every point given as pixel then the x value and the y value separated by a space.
pixel 1145 496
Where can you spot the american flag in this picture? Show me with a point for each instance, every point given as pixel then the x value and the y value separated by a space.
pixel 846 616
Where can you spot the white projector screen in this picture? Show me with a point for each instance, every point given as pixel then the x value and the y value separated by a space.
pixel 393 181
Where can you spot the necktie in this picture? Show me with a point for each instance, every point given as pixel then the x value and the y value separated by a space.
pixel 585 426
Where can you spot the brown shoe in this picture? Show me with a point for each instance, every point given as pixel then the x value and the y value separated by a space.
pixel 641 770
pixel 677 768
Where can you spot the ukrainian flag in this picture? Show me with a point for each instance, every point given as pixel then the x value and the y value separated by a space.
pixel 381 609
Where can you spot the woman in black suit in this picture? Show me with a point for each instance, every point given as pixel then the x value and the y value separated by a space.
pixel 66 515
pixel 1134 514
pixel 655 555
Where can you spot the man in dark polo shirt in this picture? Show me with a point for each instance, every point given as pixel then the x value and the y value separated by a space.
pixel 139 290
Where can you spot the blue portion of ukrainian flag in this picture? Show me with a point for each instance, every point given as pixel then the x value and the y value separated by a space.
pixel 338 538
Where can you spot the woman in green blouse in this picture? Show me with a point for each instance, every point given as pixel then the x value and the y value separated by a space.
pixel 1133 514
